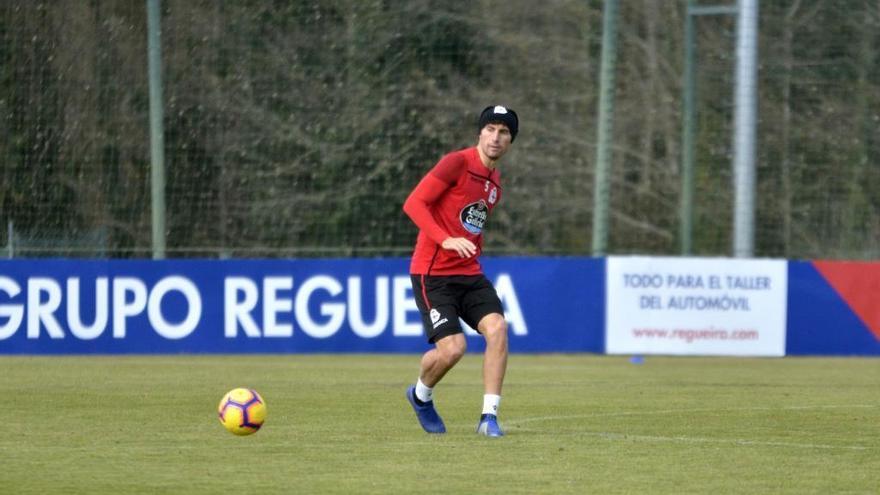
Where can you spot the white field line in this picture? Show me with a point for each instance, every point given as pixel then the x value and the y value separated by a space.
pixel 683 439
pixel 685 411
pixel 733 441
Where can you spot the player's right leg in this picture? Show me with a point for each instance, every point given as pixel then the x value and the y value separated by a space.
pixel 435 364
pixel 436 300
pixel 447 352
pixel 425 412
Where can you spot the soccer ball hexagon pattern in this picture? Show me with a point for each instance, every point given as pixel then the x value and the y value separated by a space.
pixel 242 411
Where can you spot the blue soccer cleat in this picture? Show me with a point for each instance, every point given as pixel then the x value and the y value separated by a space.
pixel 489 426
pixel 426 413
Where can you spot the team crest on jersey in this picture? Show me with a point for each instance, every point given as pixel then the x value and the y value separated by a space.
pixel 474 215
pixel 493 195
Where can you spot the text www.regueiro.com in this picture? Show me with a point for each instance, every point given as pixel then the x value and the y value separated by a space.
pixel 691 334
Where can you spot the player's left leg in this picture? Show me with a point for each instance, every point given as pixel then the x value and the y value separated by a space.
pixel 493 327
pixel 482 310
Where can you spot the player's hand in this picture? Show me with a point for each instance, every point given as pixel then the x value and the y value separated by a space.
pixel 460 245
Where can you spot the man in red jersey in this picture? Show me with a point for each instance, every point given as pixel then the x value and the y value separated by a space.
pixel 450 206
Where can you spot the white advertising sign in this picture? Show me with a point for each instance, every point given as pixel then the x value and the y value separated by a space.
pixel 695 306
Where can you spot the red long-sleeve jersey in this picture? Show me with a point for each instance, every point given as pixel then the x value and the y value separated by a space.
pixel 454 199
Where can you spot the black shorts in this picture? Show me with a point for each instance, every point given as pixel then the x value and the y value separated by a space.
pixel 442 300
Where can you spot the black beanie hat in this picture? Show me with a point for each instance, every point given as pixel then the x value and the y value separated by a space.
pixel 499 114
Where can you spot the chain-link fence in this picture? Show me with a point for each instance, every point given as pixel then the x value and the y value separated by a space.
pixel 298 128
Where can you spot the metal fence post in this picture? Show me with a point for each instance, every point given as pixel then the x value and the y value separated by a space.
pixel 606 122
pixel 157 131
pixel 745 122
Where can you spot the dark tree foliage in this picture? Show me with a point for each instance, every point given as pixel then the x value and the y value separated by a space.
pixel 297 128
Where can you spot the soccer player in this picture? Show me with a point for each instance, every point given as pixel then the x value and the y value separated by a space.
pixel 450 206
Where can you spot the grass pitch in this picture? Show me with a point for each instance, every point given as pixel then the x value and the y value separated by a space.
pixel 341 424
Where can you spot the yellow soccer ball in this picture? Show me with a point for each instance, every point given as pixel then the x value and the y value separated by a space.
pixel 242 411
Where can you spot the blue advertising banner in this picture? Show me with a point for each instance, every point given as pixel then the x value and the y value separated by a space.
pixel 269 306
pixel 367 305
pixel 833 308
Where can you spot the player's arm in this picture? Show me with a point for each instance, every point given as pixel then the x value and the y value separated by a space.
pixel 461 245
pixel 428 191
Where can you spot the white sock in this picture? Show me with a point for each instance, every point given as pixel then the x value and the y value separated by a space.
pixel 491 403
pixel 424 392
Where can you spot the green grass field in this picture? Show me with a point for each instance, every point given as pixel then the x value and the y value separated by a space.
pixel 341 424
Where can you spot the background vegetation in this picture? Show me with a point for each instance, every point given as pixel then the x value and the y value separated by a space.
pixel 298 127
